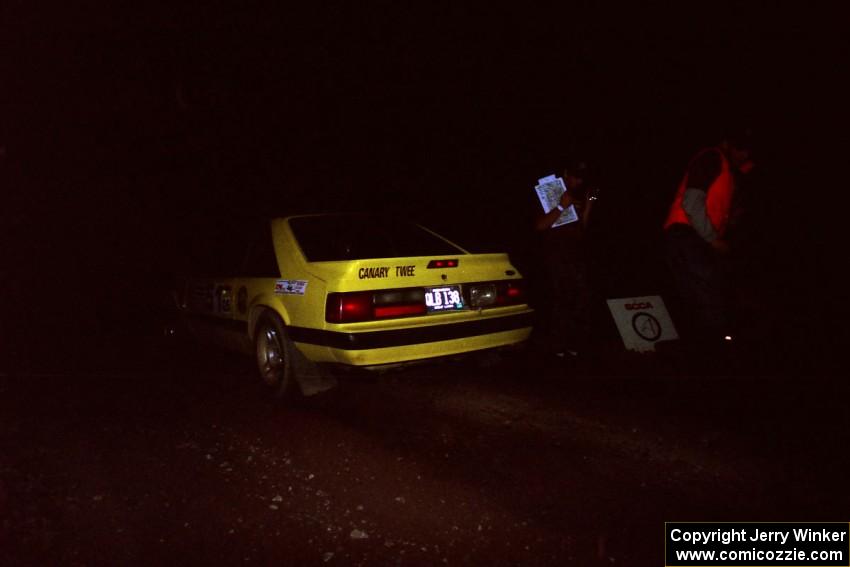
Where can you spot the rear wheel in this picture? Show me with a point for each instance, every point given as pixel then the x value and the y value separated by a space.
pixel 274 354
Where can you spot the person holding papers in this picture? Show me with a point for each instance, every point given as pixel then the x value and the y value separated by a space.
pixel 561 224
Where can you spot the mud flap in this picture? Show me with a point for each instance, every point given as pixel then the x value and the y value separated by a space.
pixel 312 378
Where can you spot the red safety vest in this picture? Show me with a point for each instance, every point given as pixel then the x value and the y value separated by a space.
pixel 718 199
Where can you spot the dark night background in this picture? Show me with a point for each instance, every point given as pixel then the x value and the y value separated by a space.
pixel 129 133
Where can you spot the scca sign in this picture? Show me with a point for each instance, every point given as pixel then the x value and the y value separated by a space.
pixel 634 306
pixel 642 321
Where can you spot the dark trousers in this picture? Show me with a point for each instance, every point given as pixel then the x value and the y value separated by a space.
pixel 702 285
pixel 568 324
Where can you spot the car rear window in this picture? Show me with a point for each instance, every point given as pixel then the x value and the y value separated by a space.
pixel 359 237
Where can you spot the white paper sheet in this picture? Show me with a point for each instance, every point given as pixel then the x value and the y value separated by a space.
pixel 549 191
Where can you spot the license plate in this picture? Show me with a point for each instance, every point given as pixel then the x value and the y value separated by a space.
pixel 445 298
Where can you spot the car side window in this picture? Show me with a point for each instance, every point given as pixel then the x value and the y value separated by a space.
pixel 260 260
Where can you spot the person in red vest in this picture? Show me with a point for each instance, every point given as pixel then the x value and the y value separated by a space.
pixel 695 235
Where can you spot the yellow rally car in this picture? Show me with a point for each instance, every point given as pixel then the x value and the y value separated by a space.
pixel 358 290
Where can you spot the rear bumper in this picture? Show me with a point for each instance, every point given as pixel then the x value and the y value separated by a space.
pixel 418 343
pixel 402 337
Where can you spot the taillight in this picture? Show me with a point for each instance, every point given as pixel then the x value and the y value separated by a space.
pixel 348 307
pixel 398 310
pixel 358 306
pixel 495 294
pixel 511 292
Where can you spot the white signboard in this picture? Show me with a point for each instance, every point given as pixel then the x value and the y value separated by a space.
pixel 549 190
pixel 642 321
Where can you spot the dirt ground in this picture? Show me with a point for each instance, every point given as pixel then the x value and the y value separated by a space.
pixel 153 456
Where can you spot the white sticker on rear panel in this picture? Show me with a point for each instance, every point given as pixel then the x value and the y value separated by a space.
pixel 290 287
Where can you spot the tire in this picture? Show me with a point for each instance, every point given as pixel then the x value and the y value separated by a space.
pixel 274 355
